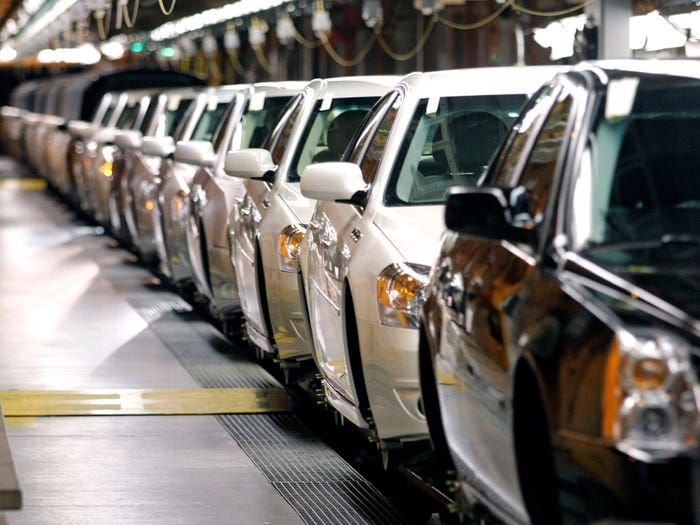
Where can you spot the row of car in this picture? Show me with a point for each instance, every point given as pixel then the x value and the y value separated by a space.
pixel 492 268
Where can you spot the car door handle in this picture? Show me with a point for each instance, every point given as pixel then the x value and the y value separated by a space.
pixel 265 203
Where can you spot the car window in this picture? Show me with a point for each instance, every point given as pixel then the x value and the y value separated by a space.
pixel 636 194
pixel 174 116
pixel 328 132
pixel 375 147
pixel 507 160
pixel 369 125
pixel 277 142
pixel 128 115
pixel 449 141
pixel 538 174
pixel 209 120
pixel 259 123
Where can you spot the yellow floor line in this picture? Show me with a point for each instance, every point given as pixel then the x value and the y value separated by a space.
pixel 23 184
pixel 127 402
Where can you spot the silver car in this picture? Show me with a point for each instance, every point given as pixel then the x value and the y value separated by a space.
pixel 214 193
pixel 268 222
pixel 177 173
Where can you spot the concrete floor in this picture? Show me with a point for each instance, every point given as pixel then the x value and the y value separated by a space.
pixel 66 325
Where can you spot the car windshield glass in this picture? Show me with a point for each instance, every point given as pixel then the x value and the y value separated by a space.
pixel 128 115
pixel 637 193
pixel 328 132
pixel 174 114
pixel 209 120
pixel 258 123
pixel 450 141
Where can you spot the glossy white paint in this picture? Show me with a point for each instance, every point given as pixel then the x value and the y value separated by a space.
pixel 214 193
pixel 250 163
pixel 269 295
pixel 332 181
pixel 197 152
pixel 158 146
pixel 347 247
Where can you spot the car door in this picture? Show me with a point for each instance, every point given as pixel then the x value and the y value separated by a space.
pixel 247 215
pixel 334 230
pixel 482 300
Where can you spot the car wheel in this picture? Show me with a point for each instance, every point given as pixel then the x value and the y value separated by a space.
pixel 533 451
pixel 431 404
pixel 355 359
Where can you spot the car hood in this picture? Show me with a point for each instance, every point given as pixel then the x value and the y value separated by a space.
pixel 415 231
pixel 671 294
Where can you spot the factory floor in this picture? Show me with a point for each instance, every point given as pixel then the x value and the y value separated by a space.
pixel 124 406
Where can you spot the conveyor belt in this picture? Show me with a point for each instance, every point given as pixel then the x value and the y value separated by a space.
pixel 319 484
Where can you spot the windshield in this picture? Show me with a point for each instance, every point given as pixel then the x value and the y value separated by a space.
pixel 637 192
pixel 328 132
pixel 259 122
pixel 209 120
pixel 449 141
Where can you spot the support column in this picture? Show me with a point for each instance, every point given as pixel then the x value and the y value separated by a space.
pixel 612 18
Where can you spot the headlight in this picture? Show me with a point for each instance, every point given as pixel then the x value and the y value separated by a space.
pixel 147 195
pixel 650 405
pixel 179 205
pixel 106 169
pixel 401 291
pixel 289 244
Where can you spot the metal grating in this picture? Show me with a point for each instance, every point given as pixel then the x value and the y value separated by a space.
pixel 319 484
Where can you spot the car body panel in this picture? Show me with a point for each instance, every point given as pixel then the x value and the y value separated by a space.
pixel 267 209
pixel 348 247
pixel 214 193
pixel 176 180
pixel 532 338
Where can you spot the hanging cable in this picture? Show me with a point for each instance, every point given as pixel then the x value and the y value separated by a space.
pixel 235 62
pixel 262 60
pixel 165 11
pixel 100 19
pixel 562 12
pixel 480 23
pixel 128 20
pixel 344 61
pixel 304 42
pixel 401 57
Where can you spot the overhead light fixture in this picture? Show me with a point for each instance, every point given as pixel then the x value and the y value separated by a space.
pixel 171 30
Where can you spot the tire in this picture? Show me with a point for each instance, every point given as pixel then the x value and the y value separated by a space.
pixel 352 339
pixel 533 451
pixel 431 404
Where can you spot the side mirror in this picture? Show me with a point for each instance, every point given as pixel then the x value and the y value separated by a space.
pixel 128 139
pixel 197 152
pixel 250 163
pixel 105 135
pixel 334 182
pixel 158 146
pixel 81 129
pixel 484 213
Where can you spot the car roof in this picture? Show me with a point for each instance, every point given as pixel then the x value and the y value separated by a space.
pixel 481 80
pixel 609 69
pixel 280 89
pixel 360 86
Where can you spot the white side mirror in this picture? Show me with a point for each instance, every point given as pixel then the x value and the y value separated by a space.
pixel 197 152
pixel 332 181
pixel 251 163
pixel 158 146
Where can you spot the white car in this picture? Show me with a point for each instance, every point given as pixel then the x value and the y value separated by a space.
pixel 177 173
pixel 267 223
pixel 138 163
pixel 126 134
pixel 212 196
pixel 375 232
